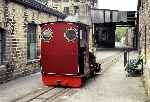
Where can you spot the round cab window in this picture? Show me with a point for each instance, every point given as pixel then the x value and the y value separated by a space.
pixel 71 35
pixel 47 35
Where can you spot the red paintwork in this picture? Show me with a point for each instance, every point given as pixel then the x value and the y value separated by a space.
pixel 62 80
pixel 58 56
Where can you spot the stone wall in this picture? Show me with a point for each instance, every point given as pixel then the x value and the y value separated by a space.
pixel 14 19
pixel 129 37
pixel 144 37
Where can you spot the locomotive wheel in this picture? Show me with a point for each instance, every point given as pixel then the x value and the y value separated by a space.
pixel 93 73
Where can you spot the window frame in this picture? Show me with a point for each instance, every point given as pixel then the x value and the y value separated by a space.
pixel 74 37
pixel 66 10
pixel 29 41
pixel 76 0
pixel 56 1
pixel 65 0
pixel 76 10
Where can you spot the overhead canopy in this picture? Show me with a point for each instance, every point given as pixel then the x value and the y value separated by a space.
pixel 106 16
pixel 97 16
pixel 100 16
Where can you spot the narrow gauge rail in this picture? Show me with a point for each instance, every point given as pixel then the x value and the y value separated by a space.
pixel 108 61
pixel 49 94
pixel 33 95
pixel 43 95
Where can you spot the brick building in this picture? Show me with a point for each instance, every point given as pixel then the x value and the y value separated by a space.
pixel 20 36
pixel 144 38
pixel 73 7
pixel 79 8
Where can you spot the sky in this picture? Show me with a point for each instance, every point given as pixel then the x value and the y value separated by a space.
pixel 124 5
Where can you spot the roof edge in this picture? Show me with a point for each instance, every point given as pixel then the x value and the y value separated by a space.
pixel 33 4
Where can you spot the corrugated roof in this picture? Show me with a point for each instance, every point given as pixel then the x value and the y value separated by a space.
pixel 40 7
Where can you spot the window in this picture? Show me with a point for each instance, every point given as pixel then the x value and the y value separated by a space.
pixel 76 0
pixel 71 34
pixel 47 35
pixel 66 10
pixel 76 10
pixel 65 0
pixel 2 46
pixel 83 37
pixel 55 7
pixel 56 1
pixel 31 42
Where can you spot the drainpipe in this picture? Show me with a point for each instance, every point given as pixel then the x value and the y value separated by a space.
pixel 145 46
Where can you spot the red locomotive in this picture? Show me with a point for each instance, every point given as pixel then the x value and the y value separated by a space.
pixel 65 56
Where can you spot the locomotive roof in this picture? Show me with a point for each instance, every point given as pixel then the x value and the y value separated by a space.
pixel 66 22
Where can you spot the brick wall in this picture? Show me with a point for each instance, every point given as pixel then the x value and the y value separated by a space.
pixel 14 19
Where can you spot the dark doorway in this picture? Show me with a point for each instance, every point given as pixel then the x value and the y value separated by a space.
pixel 2 46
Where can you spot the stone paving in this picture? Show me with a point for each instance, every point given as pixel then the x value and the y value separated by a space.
pixel 20 87
pixel 111 86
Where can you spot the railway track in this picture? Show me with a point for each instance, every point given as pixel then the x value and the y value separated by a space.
pixel 109 61
pixel 50 94
pixel 44 94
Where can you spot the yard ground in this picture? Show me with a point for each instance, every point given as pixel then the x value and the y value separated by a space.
pixel 112 85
